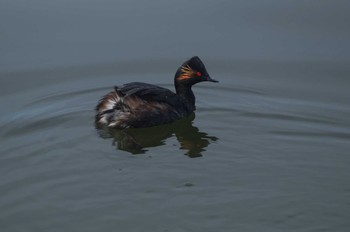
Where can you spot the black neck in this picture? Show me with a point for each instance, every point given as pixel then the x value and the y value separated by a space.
pixel 185 92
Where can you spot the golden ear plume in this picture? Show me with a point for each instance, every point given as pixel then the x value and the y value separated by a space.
pixel 187 72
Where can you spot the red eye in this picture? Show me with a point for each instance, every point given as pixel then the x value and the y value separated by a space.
pixel 199 74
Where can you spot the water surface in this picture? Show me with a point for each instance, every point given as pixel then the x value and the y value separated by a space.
pixel 266 150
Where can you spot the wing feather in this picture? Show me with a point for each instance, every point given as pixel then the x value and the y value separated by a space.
pixel 149 93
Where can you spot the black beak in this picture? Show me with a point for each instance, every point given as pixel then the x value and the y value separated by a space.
pixel 211 80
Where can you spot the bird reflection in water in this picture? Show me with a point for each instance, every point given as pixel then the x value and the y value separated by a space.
pixel 136 140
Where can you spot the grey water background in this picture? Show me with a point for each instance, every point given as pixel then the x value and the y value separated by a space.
pixel 269 143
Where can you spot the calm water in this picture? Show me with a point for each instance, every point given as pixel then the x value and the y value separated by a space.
pixel 267 149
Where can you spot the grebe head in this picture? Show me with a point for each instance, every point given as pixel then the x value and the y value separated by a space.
pixel 192 72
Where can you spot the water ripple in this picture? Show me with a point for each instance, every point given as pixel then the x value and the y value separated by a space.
pixel 319 134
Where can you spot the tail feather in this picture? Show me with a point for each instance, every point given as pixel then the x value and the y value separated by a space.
pixel 106 108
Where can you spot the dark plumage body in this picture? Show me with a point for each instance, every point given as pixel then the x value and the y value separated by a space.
pixel 139 104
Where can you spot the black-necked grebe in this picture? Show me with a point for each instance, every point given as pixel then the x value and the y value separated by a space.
pixel 139 104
